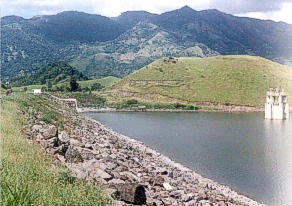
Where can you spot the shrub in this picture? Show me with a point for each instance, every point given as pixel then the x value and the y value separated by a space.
pixel 131 102
pixel 3 86
pixel 86 89
pixel 73 84
pixel 96 86
pixel 44 88
pixel 179 105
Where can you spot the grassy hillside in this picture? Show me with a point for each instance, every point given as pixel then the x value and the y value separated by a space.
pixel 238 80
pixel 28 175
pixel 105 82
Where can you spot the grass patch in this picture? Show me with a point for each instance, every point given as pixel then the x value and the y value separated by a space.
pixel 84 99
pixel 105 82
pixel 28 175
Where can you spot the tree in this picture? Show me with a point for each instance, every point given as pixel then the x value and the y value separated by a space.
pixel 86 89
pixel 73 84
pixel 63 88
pixel 49 85
pixel 3 86
pixel 25 89
pixel 44 88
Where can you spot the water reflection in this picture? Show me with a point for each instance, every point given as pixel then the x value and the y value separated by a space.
pixel 278 136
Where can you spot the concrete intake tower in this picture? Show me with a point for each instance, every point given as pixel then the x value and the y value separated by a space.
pixel 276 106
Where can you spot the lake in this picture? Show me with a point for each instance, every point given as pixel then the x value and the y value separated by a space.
pixel 244 151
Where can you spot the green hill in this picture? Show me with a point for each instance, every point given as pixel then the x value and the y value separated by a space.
pixel 55 72
pixel 228 80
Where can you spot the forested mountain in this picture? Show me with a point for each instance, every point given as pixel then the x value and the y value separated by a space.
pixel 101 46
pixel 55 72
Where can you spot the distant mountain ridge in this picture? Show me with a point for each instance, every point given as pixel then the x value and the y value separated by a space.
pixel 131 18
pixel 100 46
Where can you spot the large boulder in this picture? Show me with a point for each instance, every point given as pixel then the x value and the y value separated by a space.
pixel 73 155
pixel 96 170
pixel 63 137
pixel 131 193
pixel 36 128
pixel 50 132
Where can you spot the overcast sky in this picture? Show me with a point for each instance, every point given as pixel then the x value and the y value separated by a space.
pixel 277 10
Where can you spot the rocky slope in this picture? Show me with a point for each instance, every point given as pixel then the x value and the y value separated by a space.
pixel 134 173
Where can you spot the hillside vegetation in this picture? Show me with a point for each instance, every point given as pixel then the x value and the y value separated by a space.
pixel 104 82
pixel 101 46
pixel 228 80
pixel 55 72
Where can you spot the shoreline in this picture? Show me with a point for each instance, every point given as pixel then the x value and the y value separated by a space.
pixel 84 110
pixel 73 103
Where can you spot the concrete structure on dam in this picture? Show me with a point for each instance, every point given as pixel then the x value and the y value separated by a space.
pixel 276 106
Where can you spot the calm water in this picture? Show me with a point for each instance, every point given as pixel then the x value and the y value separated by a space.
pixel 251 155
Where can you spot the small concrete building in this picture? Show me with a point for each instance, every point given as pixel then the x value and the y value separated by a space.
pixel 276 106
pixel 37 91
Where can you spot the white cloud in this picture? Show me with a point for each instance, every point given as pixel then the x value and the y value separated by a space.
pixel 278 10
pixel 115 7
pixel 284 14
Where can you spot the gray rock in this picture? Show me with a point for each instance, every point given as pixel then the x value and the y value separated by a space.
pixel 162 171
pixel 130 176
pixel 61 150
pixel 75 142
pixel 50 132
pixel 88 154
pixel 111 166
pixel 37 128
pixel 202 195
pixel 191 203
pixel 167 201
pixel 95 169
pixel 116 181
pixel 158 180
pixel 99 173
pixel 63 137
pixel 72 155
pixel 187 197
pixel 205 203
pixel 89 146
pixel 167 186
pixel 222 203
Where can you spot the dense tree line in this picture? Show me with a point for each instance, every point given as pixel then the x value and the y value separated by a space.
pixel 50 75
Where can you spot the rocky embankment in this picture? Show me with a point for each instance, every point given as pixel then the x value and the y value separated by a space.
pixel 132 172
